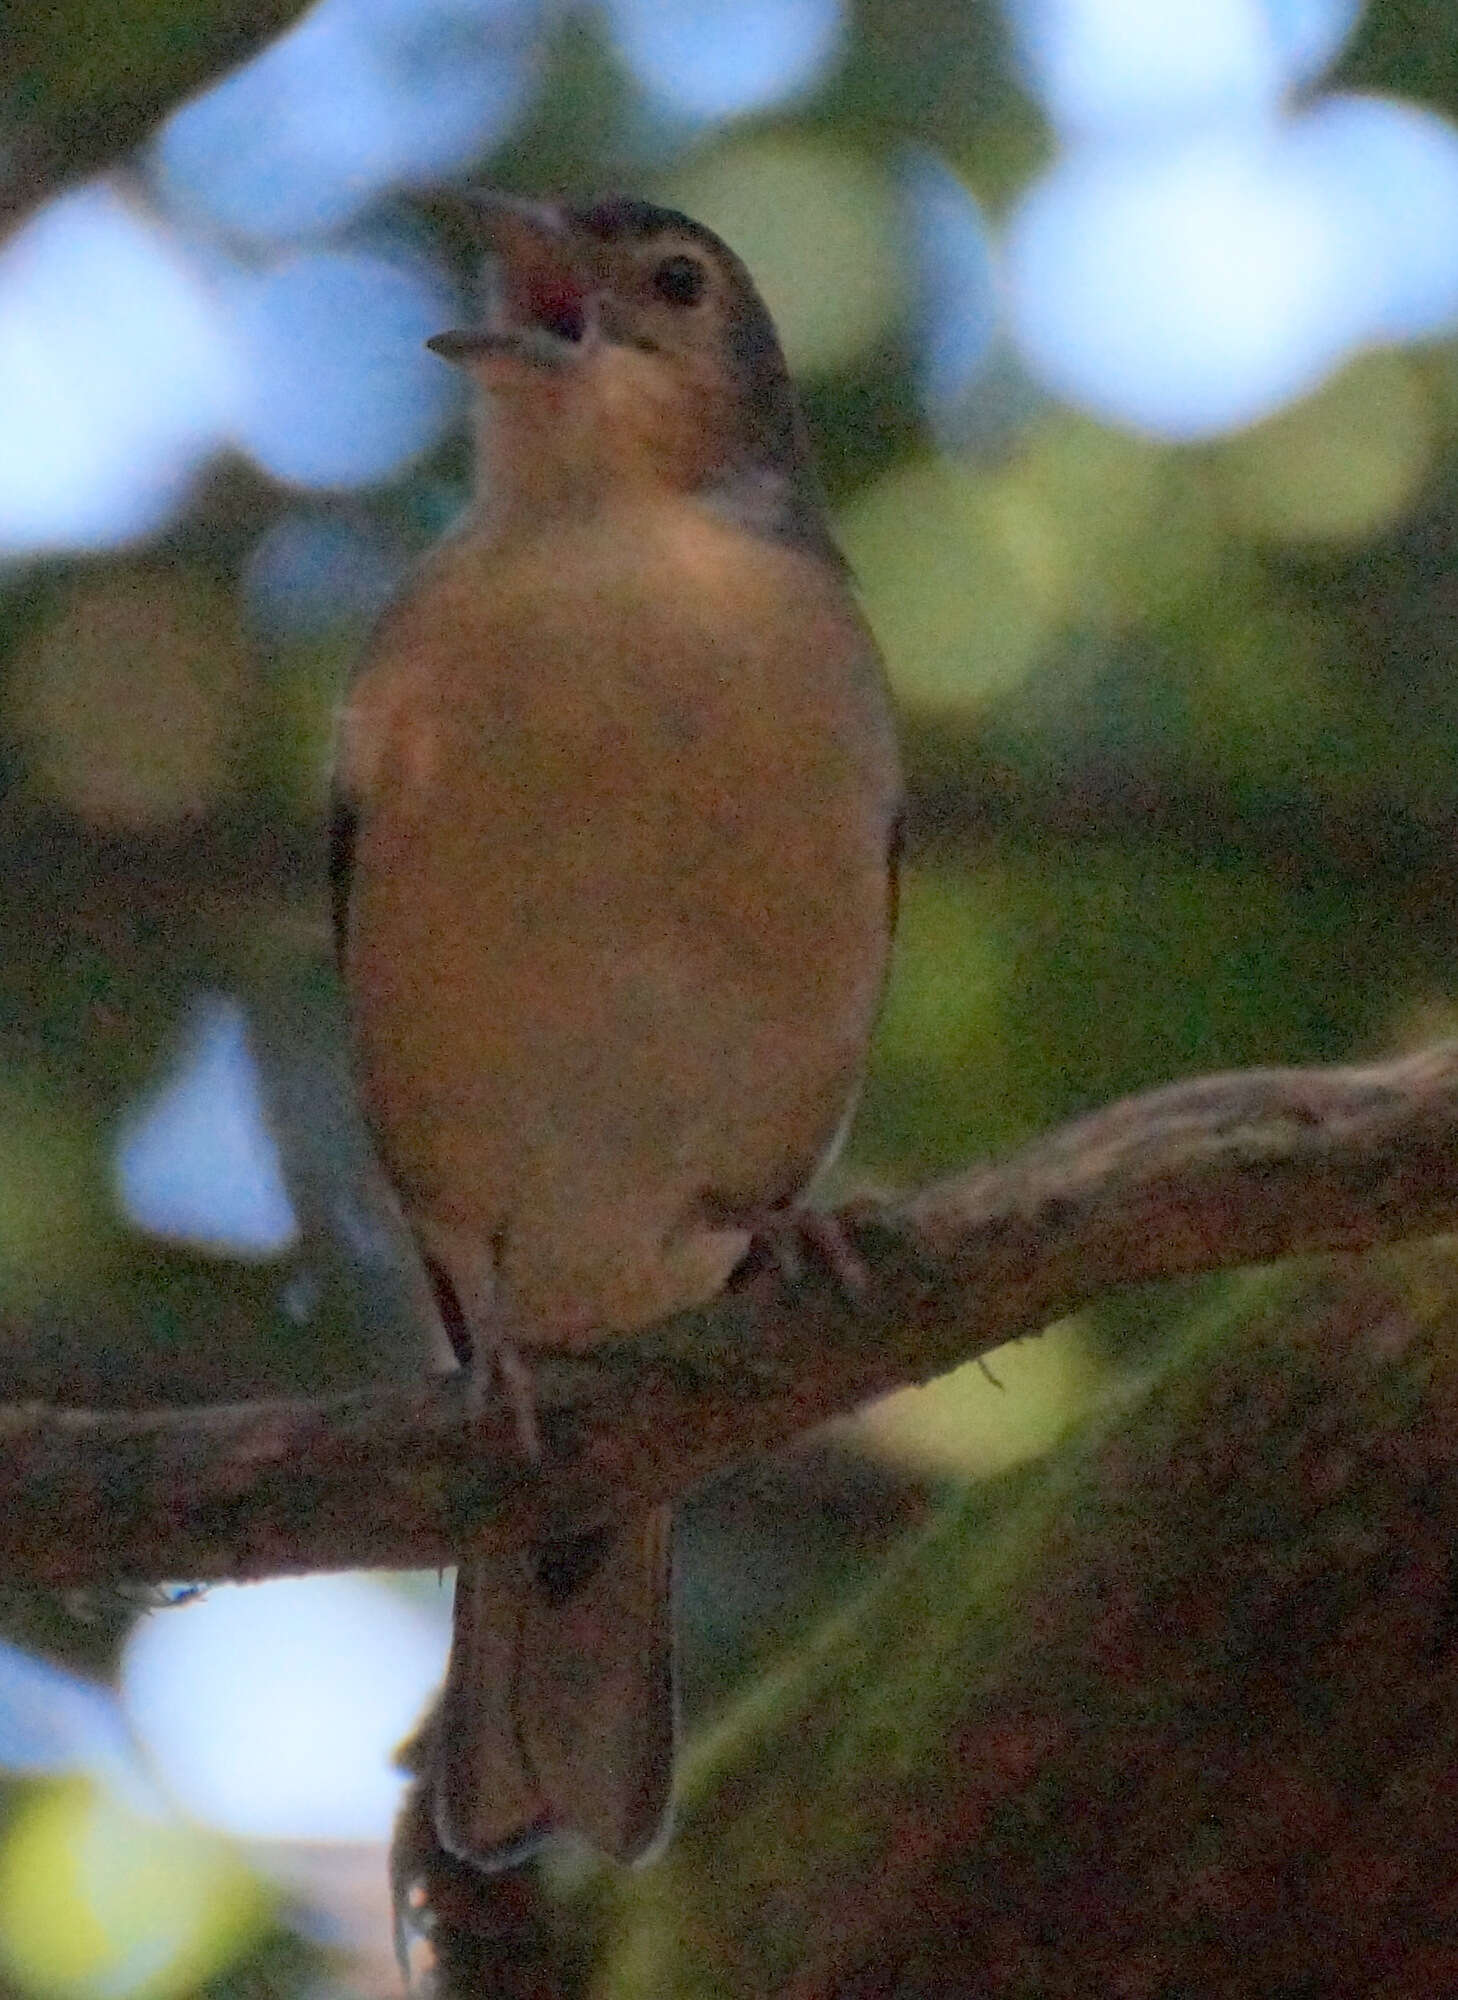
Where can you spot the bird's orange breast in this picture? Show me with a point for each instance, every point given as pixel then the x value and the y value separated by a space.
pixel 618 923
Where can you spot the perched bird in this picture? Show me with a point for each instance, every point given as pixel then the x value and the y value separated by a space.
pixel 616 798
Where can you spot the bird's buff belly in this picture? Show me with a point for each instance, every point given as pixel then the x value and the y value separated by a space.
pixel 577 1072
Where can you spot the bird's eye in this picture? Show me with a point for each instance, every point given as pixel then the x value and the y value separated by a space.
pixel 680 281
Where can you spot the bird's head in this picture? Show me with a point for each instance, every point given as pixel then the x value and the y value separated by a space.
pixel 626 342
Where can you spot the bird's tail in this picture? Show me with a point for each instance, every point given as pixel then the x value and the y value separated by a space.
pixel 558 1708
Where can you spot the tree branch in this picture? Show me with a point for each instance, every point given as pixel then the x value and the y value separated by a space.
pixel 1200 1176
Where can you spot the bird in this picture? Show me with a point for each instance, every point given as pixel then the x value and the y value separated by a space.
pixel 612 866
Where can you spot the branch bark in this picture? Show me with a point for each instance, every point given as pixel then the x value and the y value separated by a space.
pixel 1200 1176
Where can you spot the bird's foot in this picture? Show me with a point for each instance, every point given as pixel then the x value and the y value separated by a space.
pixel 793 1242
pixel 485 1349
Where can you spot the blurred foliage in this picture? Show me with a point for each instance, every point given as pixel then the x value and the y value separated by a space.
pixel 96 1900
pixel 1181 756
pixel 79 83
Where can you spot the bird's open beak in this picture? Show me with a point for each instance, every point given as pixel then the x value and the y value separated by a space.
pixel 540 314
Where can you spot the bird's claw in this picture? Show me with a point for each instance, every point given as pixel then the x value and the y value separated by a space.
pixel 794 1241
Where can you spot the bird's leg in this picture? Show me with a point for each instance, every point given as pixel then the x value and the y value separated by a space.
pixel 472 1319
pixel 518 1385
